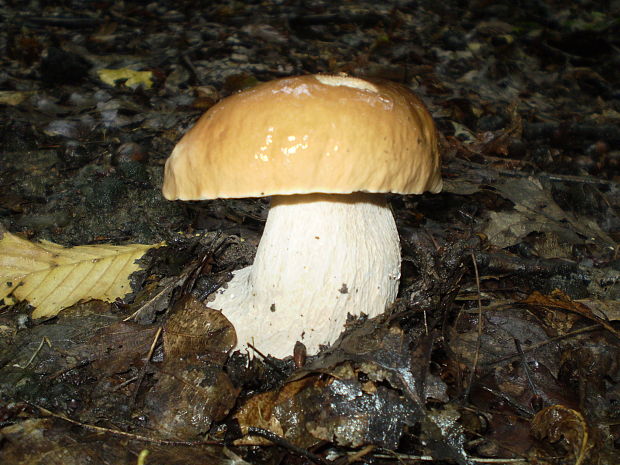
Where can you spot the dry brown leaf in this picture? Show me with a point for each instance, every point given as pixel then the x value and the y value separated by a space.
pixel 559 300
pixel 535 210
pixel 608 309
pixel 558 422
pixel 188 398
pixel 52 277
pixel 260 411
pixel 192 389
pixel 193 330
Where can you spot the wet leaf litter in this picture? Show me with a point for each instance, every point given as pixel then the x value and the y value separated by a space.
pixel 502 342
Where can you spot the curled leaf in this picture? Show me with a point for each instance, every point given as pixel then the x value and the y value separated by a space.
pixel 562 423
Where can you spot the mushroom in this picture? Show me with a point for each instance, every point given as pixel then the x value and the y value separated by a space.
pixel 325 148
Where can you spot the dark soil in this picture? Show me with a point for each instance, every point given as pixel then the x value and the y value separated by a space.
pixel 504 343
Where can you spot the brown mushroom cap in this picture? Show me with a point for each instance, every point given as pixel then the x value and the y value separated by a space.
pixel 308 134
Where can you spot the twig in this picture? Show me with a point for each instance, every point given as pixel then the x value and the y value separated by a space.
pixel 267 361
pixel 526 368
pixel 68 22
pixel 205 264
pixel 36 352
pixel 124 383
pixel 429 458
pixel 544 343
pixel 75 366
pixel 479 338
pixel 135 437
pixel 545 175
pixel 370 18
pixel 361 454
pixel 280 441
pixel 122 17
pixel 165 290
pixel 561 177
pixel 193 69
pixel 145 366
pixel 510 401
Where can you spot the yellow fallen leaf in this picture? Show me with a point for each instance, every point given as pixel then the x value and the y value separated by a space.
pixel 11 97
pixel 133 78
pixel 52 277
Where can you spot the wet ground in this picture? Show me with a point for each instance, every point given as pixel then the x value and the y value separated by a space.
pixel 504 342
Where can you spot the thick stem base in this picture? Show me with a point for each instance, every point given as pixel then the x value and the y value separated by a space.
pixel 321 257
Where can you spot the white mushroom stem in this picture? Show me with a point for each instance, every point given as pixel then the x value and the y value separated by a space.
pixel 321 257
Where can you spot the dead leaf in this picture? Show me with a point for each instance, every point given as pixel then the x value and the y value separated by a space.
pixel 363 391
pixel 444 435
pixel 608 309
pixel 132 78
pixel 116 348
pixel 187 398
pixel 559 300
pixel 52 277
pixel 10 97
pixel 264 410
pixel 561 423
pixel 51 441
pixel 193 330
pixel 535 210
pixel 192 389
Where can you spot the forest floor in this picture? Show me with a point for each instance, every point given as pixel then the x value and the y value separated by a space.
pixel 504 343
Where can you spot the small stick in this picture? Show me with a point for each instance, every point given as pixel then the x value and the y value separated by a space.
pixel 280 441
pixel 267 361
pixel 146 364
pixel 135 437
pixel 36 352
pixel 361 454
pixel 526 368
pixel 479 338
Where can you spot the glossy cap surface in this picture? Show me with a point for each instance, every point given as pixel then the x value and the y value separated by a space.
pixel 308 134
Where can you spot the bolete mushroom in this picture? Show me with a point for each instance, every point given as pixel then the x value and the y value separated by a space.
pixel 325 148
